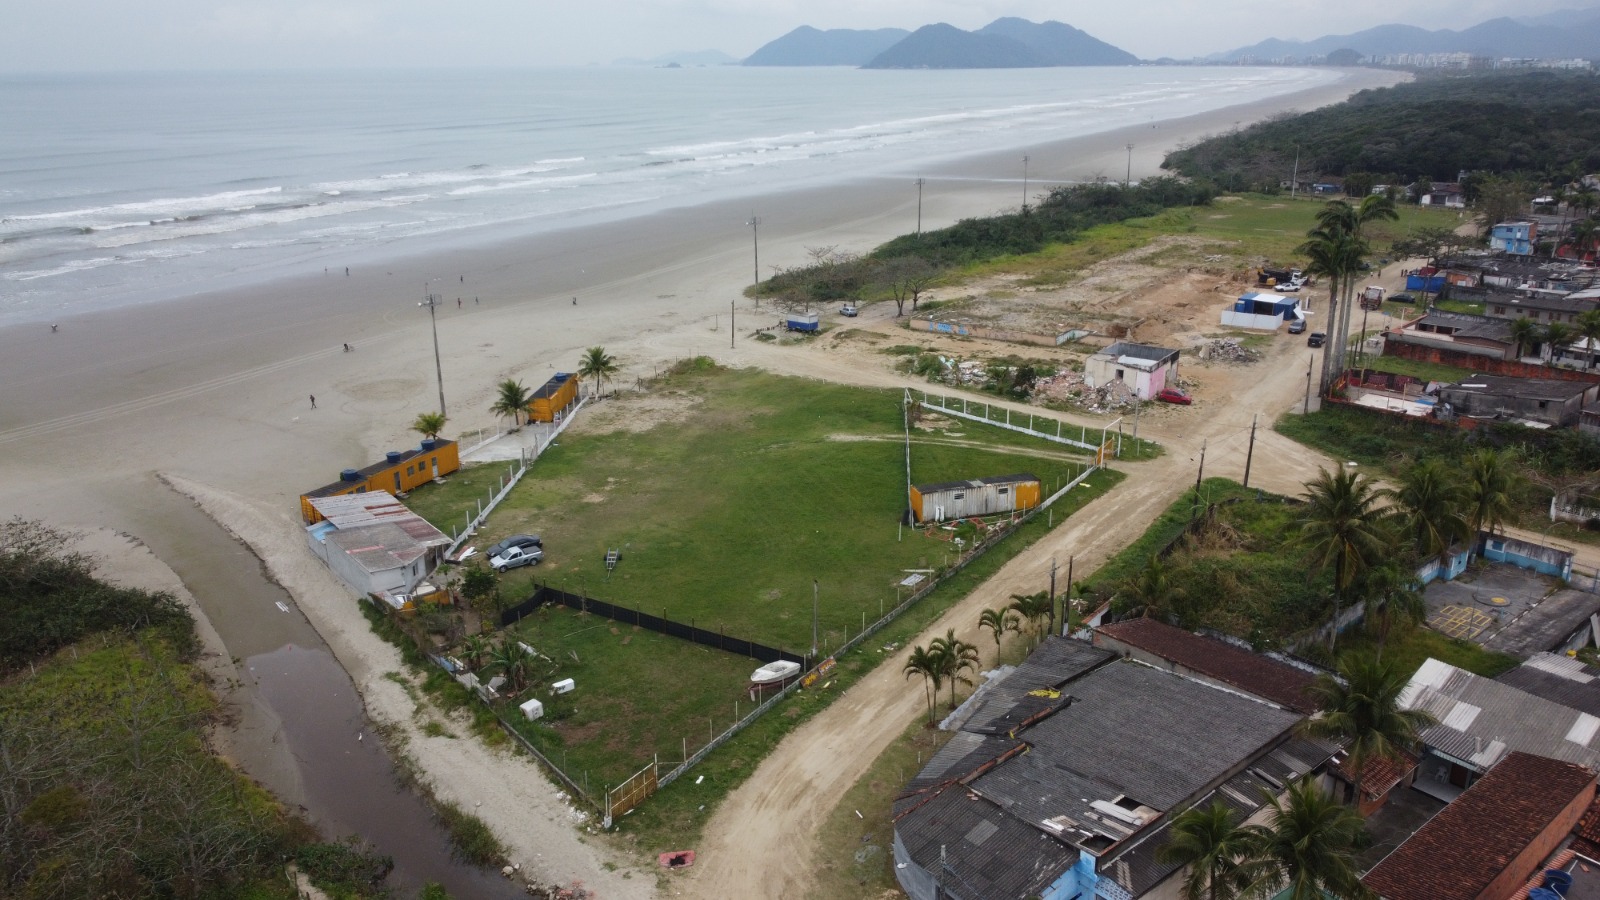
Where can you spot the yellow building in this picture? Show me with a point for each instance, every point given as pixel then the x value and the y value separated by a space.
pixel 399 472
pixel 975 497
pixel 560 392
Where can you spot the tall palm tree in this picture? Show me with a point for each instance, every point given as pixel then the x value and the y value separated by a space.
pixel 1362 707
pixel 428 424
pixel 1525 333
pixel 926 664
pixel 1393 599
pixel 1342 530
pixel 1430 508
pixel 1154 594
pixel 511 400
pixel 1492 479
pixel 597 364
pixel 1308 844
pixel 1035 609
pixel 954 657
pixel 1585 235
pixel 1558 336
pixel 998 621
pixel 1336 254
pixel 1217 850
pixel 1588 325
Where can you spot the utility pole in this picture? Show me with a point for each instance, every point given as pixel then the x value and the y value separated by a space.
pixel 1250 453
pixel 1199 475
pixel 1127 180
pixel 1052 595
pixel 920 182
pixel 1024 183
pixel 431 301
pixel 730 324
pixel 1294 179
pixel 813 618
pixel 755 243
pixel 1309 366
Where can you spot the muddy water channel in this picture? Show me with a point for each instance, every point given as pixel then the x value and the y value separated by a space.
pixel 302 731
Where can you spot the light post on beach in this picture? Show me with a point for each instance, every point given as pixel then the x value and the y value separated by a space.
pixel 1024 183
pixel 920 183
pixel 1128 179
pixel 755 243
pixel 431 301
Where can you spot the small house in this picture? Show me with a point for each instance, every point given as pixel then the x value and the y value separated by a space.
pixel 1449 196
pixel 553 400
pixel 398 472
pixel 1518 238
pixel 377 546
pixel 1144 369
pixel 975 497
pixel 1537 402
pixel 1263 311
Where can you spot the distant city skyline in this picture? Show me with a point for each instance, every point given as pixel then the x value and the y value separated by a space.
pixel 43 35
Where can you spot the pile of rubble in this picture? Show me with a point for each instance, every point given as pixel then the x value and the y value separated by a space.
pixel 1065 387
pixel 1229 350
pixel 1069 387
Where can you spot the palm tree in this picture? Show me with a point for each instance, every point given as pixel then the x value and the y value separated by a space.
pixel 954 657
pixel 1362 707
pixel 1392 597
pixel 475 649
pixel 1585 235
pixel 1035 609
pixel 1336 254
pixel 428 424
pixel 1525 333
pixel 512 401
pixel 1308 843
pixel 1153 592
pixel 1558 336
pixel 1588 325
pixel 1491 480
pixel 1429 508
pixel 998 621
pixel 926 664
pixel 1342 529
pixel 1210 841
pixel 512 661
pixel 597 364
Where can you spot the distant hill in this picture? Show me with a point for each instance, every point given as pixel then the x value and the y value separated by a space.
pixel 1574 33
pixel 681 58
pixel 1007 43
pixel 807 46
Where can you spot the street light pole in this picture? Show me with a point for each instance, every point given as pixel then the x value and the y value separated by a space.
pixel 920 183
pixel 1128 179
pixel 1024 183
pixel 431 301
pixel 813 618
pixel 755 244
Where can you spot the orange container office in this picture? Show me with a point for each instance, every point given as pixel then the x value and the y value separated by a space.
pixel 400 471
pixel 550 401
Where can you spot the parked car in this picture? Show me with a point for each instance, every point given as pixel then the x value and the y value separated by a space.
pixel 516 557
pixel 1298 326
pixel 516 540
pixel 1317 339
pixel 849 309
pixel 1402 298
pixel 1173 395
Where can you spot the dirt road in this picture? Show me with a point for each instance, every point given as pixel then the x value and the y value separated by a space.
pixel 761 841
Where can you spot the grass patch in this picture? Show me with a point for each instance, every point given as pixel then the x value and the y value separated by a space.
pixel 1427 371
pixel 1412 648
pixel 470 838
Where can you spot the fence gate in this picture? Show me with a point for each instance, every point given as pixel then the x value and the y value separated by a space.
pixel 630 793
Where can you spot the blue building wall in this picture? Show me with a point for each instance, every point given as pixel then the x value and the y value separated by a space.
pixel 1512 237
pixel 1528 556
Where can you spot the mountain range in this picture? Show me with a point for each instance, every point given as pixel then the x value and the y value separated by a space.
pixel 1007 43
pixel 1566 34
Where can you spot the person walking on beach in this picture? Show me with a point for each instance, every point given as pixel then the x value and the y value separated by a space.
pixel 347 271
pixel 574 301
pixel 458 303
pixel 347 348
pixel 313 401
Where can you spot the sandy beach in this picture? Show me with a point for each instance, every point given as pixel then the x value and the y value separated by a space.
pixel 212 393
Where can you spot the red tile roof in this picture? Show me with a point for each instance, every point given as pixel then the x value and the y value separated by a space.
pixel 1382 773
pixel 1470 842
pixel 1267 678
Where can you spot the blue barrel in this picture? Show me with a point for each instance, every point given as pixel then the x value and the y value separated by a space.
pixel 350 475
pixel 394 456
pixel 1543 893
pixel 1558 881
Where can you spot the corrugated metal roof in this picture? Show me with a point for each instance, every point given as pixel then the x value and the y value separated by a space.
pixel 1559 679
pixel 1481 720
pixel 976 851
pixel 378 548
pixel 1019 478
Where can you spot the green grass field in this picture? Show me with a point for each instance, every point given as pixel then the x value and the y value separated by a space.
pixel 724 519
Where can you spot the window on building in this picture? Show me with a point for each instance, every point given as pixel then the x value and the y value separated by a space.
pixel 1003 491
pixel 959 495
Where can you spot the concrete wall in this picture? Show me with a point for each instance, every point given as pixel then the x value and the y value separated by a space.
pixel 1517 873
pixel 1486 365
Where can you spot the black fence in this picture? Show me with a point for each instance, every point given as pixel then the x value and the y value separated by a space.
pixel 544 594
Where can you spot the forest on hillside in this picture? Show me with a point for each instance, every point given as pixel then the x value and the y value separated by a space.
pixel 1541 125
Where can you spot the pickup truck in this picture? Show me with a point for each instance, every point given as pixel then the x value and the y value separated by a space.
pixel 514 557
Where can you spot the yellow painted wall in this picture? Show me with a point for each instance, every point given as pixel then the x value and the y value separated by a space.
pixel 916 504
pixel 1027 495
pixel 544 409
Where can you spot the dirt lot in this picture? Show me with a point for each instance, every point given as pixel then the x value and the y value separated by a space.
pixel 761 840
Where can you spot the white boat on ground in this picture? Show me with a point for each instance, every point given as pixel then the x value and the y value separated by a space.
pixel 773 675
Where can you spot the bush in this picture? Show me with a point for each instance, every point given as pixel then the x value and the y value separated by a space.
pixel 470 836
pixel 346 869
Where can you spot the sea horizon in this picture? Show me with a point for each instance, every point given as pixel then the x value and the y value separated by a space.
pixel 131 188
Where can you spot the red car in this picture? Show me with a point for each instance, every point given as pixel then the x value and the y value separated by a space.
pixel 1173 395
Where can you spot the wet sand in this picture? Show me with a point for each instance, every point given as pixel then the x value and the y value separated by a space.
pixel 215 389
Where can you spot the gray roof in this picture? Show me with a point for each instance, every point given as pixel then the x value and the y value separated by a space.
pixel 1011 701
pixel 1139 351
pixel 1135 734
pixel 1468 325
pixel 986 853
pixel 1559 679
pixel 1019 478
pixel 378 548
pixel 1545 625
pixel 1526 388
pixel 1481 720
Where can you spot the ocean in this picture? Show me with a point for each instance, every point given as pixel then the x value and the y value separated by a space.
pixel 132 188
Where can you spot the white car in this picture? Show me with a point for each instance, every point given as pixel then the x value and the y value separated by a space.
pixel 849 310
pixel 514 557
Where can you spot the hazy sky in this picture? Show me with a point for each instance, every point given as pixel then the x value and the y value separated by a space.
pixel 180 34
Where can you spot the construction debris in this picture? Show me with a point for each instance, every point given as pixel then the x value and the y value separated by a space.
pixel 1229 350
